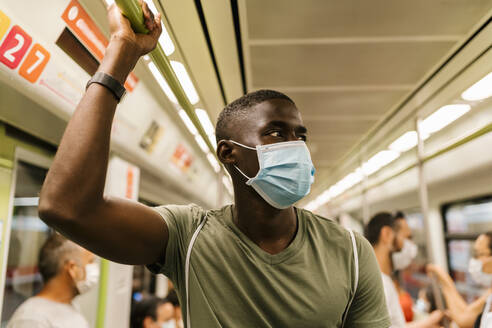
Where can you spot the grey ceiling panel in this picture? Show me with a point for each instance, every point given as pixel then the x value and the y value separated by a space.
pixel 344 64
pixel 289 19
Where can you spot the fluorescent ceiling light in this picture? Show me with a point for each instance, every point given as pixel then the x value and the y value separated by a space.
pixel 162 82
pixel 311 206
pixel 227 183
pixel 406 142
pixel 189 124
pixel 165 40
pixel 185 81
pixel 350 180
pixel 109 2
pixel 201 142
pixel 323 198
pixel 213 141
pixel 379 160
pixel 443 117
pixel 213 161
pixel 205 121
pixel 146 57
pixel 480 90
pixel 334 191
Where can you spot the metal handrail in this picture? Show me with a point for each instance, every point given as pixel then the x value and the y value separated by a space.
pixel 132 10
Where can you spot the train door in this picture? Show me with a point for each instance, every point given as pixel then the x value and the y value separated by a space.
pixel 25 233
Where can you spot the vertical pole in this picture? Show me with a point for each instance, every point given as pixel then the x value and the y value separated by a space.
pixel 424 206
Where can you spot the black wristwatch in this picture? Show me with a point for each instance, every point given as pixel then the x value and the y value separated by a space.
pixel 109 82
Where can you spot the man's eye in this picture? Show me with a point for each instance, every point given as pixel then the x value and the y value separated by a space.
pixel 275 134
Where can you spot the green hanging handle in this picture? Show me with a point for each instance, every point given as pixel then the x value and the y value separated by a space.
pixel 132 10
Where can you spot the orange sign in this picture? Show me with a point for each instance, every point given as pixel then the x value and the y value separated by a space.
pixel 80 23
pixel 131 82
pixel 129 183
pixel 34 63
pixel 85 29
pixel 181 158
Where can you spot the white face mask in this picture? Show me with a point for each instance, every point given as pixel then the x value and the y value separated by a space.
pixel 422 306
pixel 403 258
pixel 475 267
pixel 169 324
pixel 91 278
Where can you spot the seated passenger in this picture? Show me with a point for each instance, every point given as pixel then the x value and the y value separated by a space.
pixel 388 237
pixel 152 312
pixel 68 270
pixel 478 313
pixel 258 263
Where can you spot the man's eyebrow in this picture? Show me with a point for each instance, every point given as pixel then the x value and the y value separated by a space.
pixel 282 124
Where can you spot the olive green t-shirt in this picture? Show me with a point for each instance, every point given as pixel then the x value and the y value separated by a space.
pixel 234 283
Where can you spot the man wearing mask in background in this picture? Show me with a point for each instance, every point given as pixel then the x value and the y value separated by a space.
pixel 394 250
pixel 152 312
pixel 68 270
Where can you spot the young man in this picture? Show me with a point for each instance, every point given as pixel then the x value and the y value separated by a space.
pixel 258 263
pixel 67 270
pixel 389 235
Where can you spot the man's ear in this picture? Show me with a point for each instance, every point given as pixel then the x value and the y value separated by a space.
pixel 147 322
pixel 226 152
pixel 387 235
pixel 71 267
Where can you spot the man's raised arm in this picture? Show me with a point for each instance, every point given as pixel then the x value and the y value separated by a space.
pixel 72 198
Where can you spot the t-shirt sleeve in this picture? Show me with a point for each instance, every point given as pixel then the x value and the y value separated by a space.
pixel 181 221
pixel 368 309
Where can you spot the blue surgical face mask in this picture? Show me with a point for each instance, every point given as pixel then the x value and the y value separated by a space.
pixel 286 172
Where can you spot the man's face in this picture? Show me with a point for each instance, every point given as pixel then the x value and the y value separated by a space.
pixel 272 121
pixel 481 251
pixel 402 232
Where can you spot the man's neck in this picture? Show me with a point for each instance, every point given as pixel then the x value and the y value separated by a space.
pixel 58 290
pixel 383 258
pixel 270 228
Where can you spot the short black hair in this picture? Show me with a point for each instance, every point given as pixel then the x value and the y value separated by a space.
pixel 399 215
pixel 172 298
pixel 239 108
pixel 147 307
pixel 376 224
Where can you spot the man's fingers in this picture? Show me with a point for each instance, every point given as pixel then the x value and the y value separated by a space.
pixel 148 16
pixel 157 26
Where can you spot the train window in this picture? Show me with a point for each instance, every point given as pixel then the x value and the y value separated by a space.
pixel 463 222
pixel 28 233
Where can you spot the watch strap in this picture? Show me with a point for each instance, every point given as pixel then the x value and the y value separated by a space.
pixel 109 82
